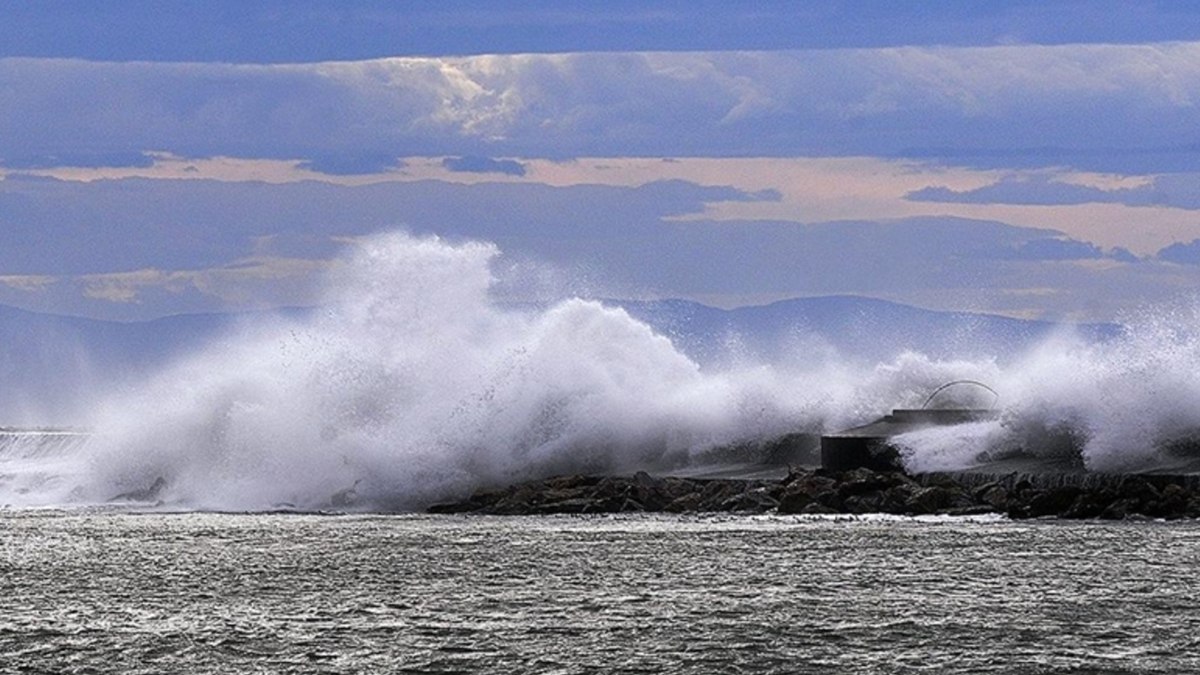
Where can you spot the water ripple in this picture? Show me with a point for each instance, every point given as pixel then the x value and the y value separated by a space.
pixel 200 593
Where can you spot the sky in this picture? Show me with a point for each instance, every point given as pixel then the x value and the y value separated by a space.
pixel 1033 159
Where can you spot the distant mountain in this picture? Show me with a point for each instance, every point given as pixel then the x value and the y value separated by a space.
pixel 48 363
pixel 855 327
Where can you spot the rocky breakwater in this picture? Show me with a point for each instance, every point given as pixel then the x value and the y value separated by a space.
pixel 858 491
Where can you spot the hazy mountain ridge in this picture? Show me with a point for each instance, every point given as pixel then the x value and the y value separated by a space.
pixel 50 362
pixel 856 327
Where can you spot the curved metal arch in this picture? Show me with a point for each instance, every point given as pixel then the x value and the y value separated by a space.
pixel 995 394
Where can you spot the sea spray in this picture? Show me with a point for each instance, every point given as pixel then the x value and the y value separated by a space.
pixel 411 384
pixel 1130 404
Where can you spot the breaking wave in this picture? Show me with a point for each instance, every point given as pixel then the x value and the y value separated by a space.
pixel 1125 405
pixel 412 384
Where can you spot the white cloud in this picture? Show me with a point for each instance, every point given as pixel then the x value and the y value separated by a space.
pixel 240 284
pixel 30 283
pixel 1083 98
pixel 124 287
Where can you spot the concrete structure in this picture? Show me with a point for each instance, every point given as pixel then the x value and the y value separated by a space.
pixel 868 445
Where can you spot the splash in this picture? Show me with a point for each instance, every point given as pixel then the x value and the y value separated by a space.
pixel 412 384
pixel 1126 405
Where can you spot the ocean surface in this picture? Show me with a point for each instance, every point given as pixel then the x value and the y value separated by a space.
pixel 119 592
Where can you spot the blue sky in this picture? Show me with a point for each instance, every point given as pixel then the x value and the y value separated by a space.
pixel 292 31
pixel 1028 158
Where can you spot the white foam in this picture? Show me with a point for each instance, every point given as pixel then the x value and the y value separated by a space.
pixel 412 385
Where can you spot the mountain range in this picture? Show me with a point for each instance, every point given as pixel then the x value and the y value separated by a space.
pixel 50 363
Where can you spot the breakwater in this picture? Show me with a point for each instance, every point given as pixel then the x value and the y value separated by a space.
pixel 857 491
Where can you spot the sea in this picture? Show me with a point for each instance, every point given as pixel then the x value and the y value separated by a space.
pixel 170 524
pixel 116 591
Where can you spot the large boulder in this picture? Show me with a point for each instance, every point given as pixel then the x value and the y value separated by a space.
pixel 930 499
pixel 1052 502
pixel 807 489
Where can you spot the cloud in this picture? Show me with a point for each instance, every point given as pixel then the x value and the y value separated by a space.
pixel 208 245
pixel 1174 190
pixel 1054 248
pixel 1017 189
pixel 474 164
pixel 240 283
pixel 75 228
pixel 124 287
pixel 352 164
pixel 80 159
pixel 30 283
pixel 1005 104
pixel 1181 253
pixel 324 30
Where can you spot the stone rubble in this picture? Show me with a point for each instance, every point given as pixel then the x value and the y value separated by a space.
pixel 858 491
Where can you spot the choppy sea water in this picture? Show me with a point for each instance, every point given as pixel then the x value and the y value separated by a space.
pixel 104 592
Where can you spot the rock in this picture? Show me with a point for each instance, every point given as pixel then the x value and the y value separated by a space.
pixel 868 502
pixel 960 498
pixel 995 497
pixel 831 499
pixel 794 474
pixel 804 489
pixel 631 505
pixel 1051 502
pixel 929 500
pixel 896 498
pixel 814 484
pixel 685 504
pixel 1118 510
pixel 1086 505
pixel 678 487
pixel 580 505
pixel 452 507
pixel 941 480
pixel 981 490
pixel 821 491
pixel 565 494
pixel 650 491
pixel 974 510
pixel 609 486
pixel 717 492
pixel 757 501
pixel 1172 503
pixel 1022 490
pixel 1137 489
pixel 859 481
pixel 570 482
pixel 150 493
pixel 793 502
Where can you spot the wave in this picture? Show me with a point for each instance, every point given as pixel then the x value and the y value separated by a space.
pixel 413 384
